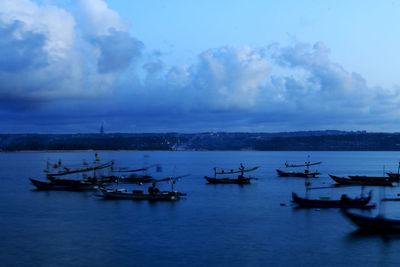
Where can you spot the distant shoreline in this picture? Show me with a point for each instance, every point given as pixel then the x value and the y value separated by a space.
pixel 329 140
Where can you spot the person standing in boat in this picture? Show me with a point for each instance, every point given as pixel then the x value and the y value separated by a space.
pixel 241 169
pixel 153 190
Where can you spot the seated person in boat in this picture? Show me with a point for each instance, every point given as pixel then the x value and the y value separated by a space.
pixel 153 190
pixel 344 197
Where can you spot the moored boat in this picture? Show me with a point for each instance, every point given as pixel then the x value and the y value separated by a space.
pixel 305 174
pixel 139 195
pixel 348 181
pixel 343 202
pixel 241 179
pixel 378 223
pixel 153 192
pixel 76 186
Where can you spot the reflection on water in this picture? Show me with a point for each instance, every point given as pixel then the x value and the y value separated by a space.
pixel 251 225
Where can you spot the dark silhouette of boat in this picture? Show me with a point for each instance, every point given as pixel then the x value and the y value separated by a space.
pixel 371 182
pixel 373 178
pixel 378 223
pixel 241 179
pixel 305 174
pixel 58 180
pixel 394 176
pixel 343 202
pixel 153 195
pixel 69 186
pixel 140 195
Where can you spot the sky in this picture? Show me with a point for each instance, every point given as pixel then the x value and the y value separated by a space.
pixel 69 66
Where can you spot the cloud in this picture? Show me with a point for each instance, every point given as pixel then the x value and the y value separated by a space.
pixel 78 67
pixel 60 54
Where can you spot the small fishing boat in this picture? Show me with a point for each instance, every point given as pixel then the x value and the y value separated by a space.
pixel 343 202
pixel 348 181
pixel 140 195
pixel 241 179
pixel 379 224
pixel 75 186
pixel 134 177
pixel 154 193
pixel 305 174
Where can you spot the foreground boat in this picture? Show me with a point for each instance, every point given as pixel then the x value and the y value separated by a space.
pixel 239 180
pixel 348 181
pixel 76 186
pixel 373 224
pixel 344 202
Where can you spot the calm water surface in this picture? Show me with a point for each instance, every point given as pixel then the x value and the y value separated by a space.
pixel 218 225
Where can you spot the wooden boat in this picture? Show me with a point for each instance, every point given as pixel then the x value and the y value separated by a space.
pixel 213 180
pixel 140 195
pixel 93 180
pixel 305 174
pixel 344 202
pixel 136 178
pixel 154 194
pixel 133 178
pixel 78 186
pixel 373 223
pixel 67 171
pixel 241 179
pixel 348 181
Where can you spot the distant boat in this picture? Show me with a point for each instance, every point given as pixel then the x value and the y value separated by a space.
pixel 344 202
pixel 349 181
pixel 133 177
pixel 378 223
pixel 226 180
pixel 305 174
pixel 58 180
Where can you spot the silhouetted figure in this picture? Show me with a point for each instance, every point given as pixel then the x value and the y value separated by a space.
pixel 344 197
pixel 153 190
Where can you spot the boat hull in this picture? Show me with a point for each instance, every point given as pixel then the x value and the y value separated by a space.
pixel 124 195
pixel 373 224
pixel 212 180
pixel 66 187
pixel 317 203
pixel 297 174
pixel 348 181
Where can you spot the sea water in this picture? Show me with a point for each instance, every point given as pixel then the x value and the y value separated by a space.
pixel 215 225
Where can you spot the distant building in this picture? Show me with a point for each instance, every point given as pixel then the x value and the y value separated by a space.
pixel 102 129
